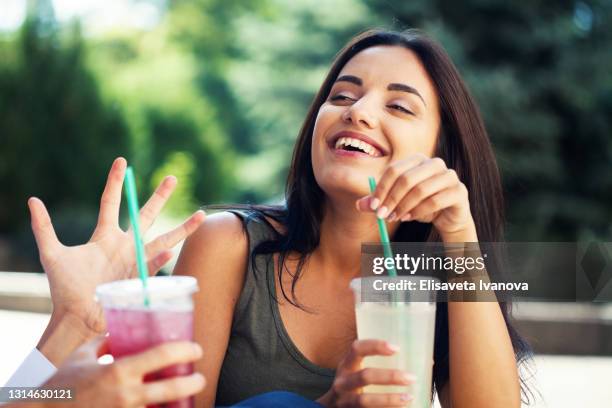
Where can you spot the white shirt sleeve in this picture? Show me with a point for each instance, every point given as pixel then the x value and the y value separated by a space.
pixel 33 372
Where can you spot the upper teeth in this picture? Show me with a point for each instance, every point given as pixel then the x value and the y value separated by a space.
pixel 360 144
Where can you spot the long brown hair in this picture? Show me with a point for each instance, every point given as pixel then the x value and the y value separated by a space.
pixel 463 144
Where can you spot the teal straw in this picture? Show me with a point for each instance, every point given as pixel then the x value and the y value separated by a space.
pixel 132 199
pixel 384 235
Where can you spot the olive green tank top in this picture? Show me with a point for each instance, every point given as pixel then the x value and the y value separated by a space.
pixel 260 356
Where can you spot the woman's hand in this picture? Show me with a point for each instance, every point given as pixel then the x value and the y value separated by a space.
pixel 421 189
pixel 120 384
pixel 346 390
pixel 74 272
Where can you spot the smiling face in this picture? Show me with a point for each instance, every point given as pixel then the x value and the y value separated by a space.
pixel 382 108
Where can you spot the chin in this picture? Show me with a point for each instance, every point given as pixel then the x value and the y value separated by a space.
pixel 344 182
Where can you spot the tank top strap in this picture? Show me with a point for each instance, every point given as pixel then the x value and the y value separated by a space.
pixel 256 278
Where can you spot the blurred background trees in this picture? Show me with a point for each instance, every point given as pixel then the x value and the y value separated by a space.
pixel 215 92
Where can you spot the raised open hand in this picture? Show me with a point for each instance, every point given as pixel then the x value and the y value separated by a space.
pixel 75 271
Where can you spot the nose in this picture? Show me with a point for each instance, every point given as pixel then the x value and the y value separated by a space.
pixel 360 114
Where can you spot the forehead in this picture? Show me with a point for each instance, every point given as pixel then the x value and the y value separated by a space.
pixel 382 65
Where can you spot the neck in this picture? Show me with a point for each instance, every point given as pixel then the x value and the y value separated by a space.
pixel 343 230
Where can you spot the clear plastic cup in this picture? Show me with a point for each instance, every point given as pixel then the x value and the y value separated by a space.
pixel 406 319
pixel 134 327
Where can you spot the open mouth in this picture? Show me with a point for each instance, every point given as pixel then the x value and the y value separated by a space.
pixel 350 144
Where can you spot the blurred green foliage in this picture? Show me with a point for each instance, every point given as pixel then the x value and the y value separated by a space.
pixel 56 133
pixel 217 92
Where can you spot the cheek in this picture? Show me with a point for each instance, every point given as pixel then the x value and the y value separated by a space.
pixel 326 118
pixel 413 138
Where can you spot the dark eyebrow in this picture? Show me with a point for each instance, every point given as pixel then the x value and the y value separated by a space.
pixel 350 78
pixel 405 88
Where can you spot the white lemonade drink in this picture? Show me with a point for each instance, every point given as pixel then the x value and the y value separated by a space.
pixel 411 327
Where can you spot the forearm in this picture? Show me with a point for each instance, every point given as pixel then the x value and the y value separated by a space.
pixel 64 334
pixel 483 371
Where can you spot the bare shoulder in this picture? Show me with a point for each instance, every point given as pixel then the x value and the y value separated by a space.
pixel 220 241
pixel 218 228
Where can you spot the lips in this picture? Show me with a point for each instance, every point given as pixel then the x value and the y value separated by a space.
pixel 354 143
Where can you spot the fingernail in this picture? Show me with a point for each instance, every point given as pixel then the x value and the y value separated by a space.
pixel 406 217
pixel 374 203
pixel 200 377
pixel 392 347
pixel 382 212
pixel 363 202
pixel 392 216
pixel 406 397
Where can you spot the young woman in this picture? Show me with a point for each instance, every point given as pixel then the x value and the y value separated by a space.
pixel 275 311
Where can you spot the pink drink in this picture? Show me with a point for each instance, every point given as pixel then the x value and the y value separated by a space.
pixel 134 328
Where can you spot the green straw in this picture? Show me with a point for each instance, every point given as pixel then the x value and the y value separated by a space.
pixel 384 235
pixel 132 199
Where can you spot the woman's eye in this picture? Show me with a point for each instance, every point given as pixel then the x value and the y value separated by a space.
pixel 401 109
pixel 341 97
